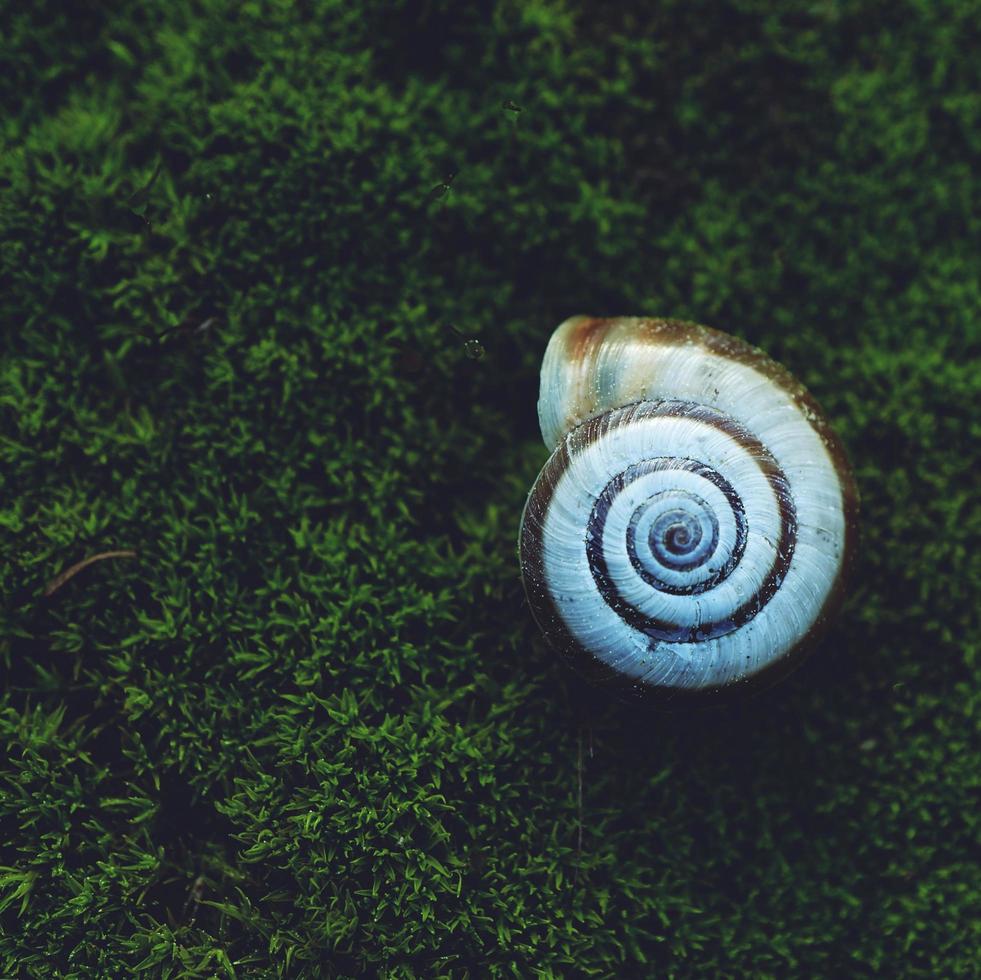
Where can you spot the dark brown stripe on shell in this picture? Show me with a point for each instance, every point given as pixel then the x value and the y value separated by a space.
pixel 588 334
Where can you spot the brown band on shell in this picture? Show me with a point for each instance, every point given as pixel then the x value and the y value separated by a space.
pixel 586 335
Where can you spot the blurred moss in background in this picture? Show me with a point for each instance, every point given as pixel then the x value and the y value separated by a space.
pixel 248 253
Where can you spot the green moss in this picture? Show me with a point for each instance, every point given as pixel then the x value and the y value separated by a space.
pixel 311 730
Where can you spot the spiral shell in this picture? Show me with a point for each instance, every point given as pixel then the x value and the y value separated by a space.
pixel 691 531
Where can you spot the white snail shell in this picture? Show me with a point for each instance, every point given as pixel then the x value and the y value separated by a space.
pixel 691 531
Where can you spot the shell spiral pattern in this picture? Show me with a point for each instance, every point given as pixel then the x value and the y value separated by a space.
pixel 692 528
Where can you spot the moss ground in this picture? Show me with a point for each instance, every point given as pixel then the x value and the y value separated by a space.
pixel 310 729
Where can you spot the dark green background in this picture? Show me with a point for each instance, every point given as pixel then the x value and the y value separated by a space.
pixel 311 730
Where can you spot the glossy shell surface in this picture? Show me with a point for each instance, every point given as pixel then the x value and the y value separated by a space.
pixel 691 532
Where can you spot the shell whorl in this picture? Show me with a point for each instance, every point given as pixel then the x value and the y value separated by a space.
pixel 690 532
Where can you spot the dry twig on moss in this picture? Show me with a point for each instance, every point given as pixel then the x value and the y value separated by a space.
pixel 59 580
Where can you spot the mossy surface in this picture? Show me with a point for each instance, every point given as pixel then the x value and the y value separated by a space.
pixel 310 730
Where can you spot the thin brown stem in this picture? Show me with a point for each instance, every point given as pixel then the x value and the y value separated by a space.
pixel 59 580
pixel 578 807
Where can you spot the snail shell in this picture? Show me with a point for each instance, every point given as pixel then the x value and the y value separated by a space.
pixel 691 531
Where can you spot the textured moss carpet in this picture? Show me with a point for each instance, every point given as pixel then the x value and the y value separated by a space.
pixel 250 252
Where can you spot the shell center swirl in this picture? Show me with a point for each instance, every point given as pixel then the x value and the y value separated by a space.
pixel 667 528
pixel 680 537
